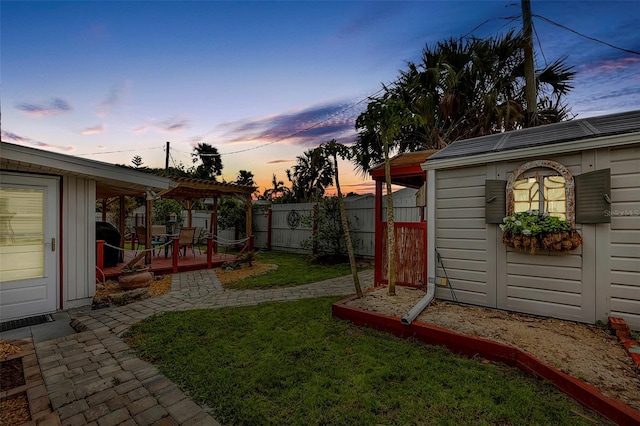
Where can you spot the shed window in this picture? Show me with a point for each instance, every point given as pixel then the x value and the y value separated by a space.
pixel 542 185
pixel 527 194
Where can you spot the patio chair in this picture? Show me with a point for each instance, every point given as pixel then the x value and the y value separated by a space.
pixel 186 240
pixel 158 236
pixel 141 235
pixel 197 238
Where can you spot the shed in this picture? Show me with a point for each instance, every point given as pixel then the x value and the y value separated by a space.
pixel 48 226
pixel 473 184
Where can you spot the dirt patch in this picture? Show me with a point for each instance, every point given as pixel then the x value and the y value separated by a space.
pixel 587 352
pixel 245 271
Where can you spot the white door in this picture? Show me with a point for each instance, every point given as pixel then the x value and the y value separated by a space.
pixel 29 240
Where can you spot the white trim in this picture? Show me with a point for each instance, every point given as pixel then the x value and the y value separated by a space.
pixel 431 227
pixel 560 148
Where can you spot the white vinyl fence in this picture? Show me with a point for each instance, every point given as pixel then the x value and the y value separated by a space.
pixel 287 232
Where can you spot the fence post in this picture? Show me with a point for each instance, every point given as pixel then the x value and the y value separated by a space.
pixel 269 217
pixel 99 257
pixel 314 230
pixel 209 251
pixel 176 250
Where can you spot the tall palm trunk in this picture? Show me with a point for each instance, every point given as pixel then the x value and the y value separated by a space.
pixel 345 228
pixel 391 235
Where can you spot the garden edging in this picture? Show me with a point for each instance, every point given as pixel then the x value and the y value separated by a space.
pixel 471 346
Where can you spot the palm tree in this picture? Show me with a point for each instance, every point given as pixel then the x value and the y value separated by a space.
pixel 211 162
pixel 277 192
pixel 333 149
pixel 310 176
pixel 245 178
pixel 386 117
pixel 463 89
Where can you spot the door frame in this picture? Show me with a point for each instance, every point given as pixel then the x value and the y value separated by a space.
pixel 51 279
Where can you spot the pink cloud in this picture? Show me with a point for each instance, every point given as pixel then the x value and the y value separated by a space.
pixel 614 65
pixel 21 140
pixel 279 161
pixel 93 130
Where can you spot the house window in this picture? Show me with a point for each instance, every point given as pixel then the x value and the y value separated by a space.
pixel 542 185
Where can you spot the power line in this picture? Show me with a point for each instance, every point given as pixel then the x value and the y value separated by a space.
pixel 586 36
pixel 116 152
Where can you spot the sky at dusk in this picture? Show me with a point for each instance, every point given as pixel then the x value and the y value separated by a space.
pixel 263 81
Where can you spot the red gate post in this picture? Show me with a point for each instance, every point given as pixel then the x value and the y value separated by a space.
pixel 176 251
pixel 209 251
pixel 99 257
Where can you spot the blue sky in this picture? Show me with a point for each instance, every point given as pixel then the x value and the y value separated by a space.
pixel 111 80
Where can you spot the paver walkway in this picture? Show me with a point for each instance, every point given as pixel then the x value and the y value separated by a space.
pixel 93 378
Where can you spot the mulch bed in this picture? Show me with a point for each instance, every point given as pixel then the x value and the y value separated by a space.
pixel 11 375
pixel 14 410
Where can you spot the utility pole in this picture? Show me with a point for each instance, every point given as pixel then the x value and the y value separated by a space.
pixel 166 160
pixel 529 72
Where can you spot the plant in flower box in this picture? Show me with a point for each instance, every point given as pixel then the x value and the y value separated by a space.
pixel 532 230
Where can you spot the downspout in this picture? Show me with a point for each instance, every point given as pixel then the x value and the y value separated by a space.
pixel 431 242
pixel 419 307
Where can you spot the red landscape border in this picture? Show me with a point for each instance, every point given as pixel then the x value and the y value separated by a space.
pixel 471 346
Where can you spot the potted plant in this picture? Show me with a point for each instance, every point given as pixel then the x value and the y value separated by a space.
pixel 532 230
pixel 135 276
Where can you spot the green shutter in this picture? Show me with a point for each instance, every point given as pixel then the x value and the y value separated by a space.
pixel 593 197
pixel 495 201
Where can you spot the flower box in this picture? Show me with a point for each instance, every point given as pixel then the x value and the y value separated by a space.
pixel 532 230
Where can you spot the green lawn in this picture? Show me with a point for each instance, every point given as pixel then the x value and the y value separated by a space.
pixel 293 269
pixel 293 364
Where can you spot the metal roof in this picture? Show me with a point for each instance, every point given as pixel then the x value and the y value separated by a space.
pixel 586 128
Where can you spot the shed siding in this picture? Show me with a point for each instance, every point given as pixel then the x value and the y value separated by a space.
pixel 78 225
pixel 544 284
pixel 624 261
pixel 461 236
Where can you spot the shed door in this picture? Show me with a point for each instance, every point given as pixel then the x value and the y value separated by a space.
pixel 29 241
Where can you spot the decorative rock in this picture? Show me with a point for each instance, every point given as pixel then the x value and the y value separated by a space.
pixel 231 265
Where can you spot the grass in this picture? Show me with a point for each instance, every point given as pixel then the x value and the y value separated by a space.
pixel 293 269
pixel 292 363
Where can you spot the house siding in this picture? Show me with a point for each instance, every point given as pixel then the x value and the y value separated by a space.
pixel 624 254
pixel 78 233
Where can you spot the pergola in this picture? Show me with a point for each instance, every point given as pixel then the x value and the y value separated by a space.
pixel 187 190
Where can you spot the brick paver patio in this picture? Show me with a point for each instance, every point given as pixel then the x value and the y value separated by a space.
pixel 93 378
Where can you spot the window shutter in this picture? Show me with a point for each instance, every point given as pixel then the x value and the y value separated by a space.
pixel 495 201
pixel 593 197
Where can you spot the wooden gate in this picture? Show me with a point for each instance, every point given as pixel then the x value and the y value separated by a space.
pixel 411 254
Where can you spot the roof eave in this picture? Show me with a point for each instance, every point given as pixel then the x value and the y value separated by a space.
pixel 534 151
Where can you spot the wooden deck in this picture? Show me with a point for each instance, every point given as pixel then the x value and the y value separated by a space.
pixel 164 265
